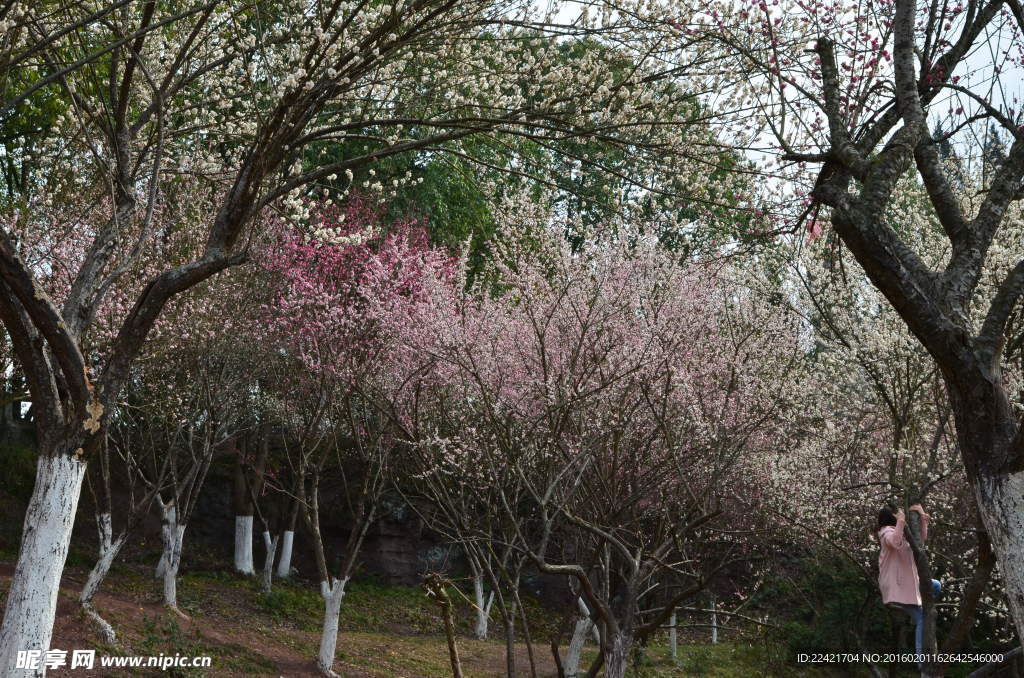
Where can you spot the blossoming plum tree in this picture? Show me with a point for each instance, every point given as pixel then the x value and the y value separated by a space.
pixel 887 433
pixel 605 384
pixel 329 285
pixel 208 93
pixel 865 94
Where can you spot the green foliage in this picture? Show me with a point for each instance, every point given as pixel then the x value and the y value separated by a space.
pixel 698 660
pixel 24 126
pixel 749 658
pixel 456 186
pixel 830 607
pixel 18 472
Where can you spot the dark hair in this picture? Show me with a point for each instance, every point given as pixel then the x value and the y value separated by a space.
pixel 886 516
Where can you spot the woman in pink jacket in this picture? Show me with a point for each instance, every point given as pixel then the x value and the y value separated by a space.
pixel 897 571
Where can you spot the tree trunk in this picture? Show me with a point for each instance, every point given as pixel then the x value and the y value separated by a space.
pixel 449 632
pixel 617 654
pixel 526 633
pixel 332 593
pixel 575 651
pixel 673 639
pixel 270 545
pixel 714 621
pixel 109 548
pixel 435 586
pixel 1001 506
pixel 987 429
pixel 46 535
pixel 243 545
pixel 173 536
pixel 243 510
pixel 508 618
pixel 585 611
pixel 483 607
pixel 161 565
pixel 284 564
pixel 246 488
pixel 929 644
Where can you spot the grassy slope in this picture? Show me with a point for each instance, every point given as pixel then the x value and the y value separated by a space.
pixel 385 632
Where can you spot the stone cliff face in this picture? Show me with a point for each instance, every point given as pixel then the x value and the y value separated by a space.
pixel 402 552
pixel 398 549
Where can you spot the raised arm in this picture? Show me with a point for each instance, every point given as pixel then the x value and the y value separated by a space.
pixel 924 521
pixel 894 538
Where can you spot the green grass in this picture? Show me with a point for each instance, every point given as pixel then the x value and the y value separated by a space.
pixel 722 660
pixel 297 607
pixel 163 636
pixel 392 631
pixel 367 606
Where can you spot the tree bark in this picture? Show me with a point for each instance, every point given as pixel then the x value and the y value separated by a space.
pixel 585 611
pixel 247 488
pixel 109 548
pixel 1001 506
pixel 435 585
pixel 509 620
pixel 929 644
pixel 714 620
pixel 617 661
pixel 173 537
pixel 988 433
pixel 332 593
pixel 284 563
pixel 576 643
pixel 483 607
pixel 449 632
pixel 243 545
pixel 673 639
pixel 46 536
pixel 270 546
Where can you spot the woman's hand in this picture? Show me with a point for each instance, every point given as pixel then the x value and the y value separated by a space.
pixel 920 511
pixel 900 516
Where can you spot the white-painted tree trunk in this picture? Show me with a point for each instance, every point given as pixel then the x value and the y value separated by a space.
pixel 576 643
pixel 482 604
pixel 243 545
pixel 618 657
pixel 332 593
pixel 161 566
pixel 1001 505
pixel 165 538
pixel 270 549
pixel 32 597
pixel 173 535
pixel 109 548
pixel 714 621
pixel 284 563
pixel 585 611
pixel 673 639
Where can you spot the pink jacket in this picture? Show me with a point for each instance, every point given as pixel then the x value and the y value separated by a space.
pixel 897 573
